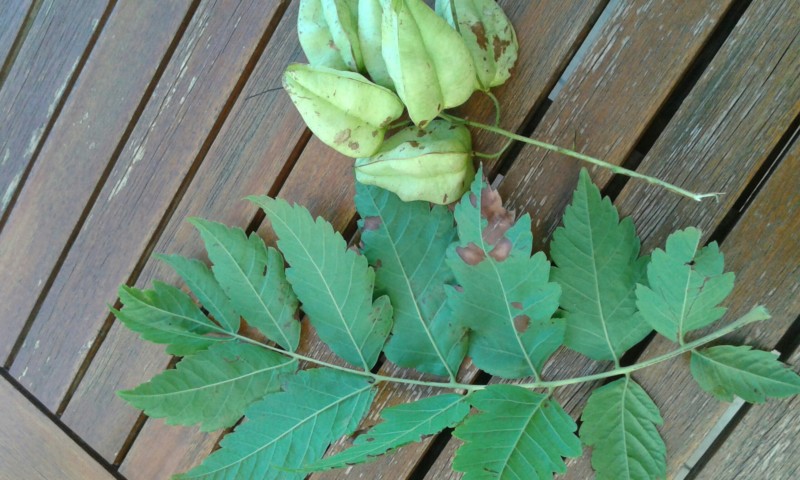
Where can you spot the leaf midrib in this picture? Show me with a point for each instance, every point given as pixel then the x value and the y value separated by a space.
pixel 392 243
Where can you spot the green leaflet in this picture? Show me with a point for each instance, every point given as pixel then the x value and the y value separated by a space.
pixel 427 60
pixel 686 285
pixel 334 284
pixel 752 375
pixel 287 430
pixel 518 435
pixel 619 423
pixel 488 34
pixel 505 298
pixel 212 387
pixel 345 110
pixel 166 315
pixel 206 288
pixel 407 242
pixel 401 425
pixel 598 267
pixel 266 301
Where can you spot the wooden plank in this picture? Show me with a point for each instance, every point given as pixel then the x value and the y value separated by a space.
pixel 608 102
pixel 247 157
pixel 33 447
pixel 764 252
pixel 696 115
pixel 35 84
pixel 12 20
pixel 764 444
pixel 76 153
pixel 166 145
pixel 757 111
pixel 328 192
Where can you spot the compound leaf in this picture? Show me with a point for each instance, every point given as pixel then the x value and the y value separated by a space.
pixel 168 316
pixel 290 429
pixel 212 387
pixel 685 286
pixel 402 424
pixel 619 423
pixel 598 265
pixel 504 297
pixel 407 243
pixel 253 278
pixel 752 375
pixel 519 434
pixel 206 288
pixel 334 284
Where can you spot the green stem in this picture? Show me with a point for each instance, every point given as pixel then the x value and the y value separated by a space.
pixel 580 156
pixel 496 107
pixel 758 313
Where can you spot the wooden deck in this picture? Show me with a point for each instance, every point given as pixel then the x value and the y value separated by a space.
pixel 121 118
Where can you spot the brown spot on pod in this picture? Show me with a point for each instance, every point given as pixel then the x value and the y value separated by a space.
pixel 480 35
pixel 342 136
pixel 353 145
pixel 521 323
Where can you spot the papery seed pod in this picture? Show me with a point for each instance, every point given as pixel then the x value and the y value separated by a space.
pixel 345 110
pixel 488 34
pixel 328 33
pixel 429 64
pixel 370 14
pixel 434 164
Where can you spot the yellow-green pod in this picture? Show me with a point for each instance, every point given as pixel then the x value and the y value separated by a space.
pixel 434 164
pixel 429 64
pixel 342 19
pixel 488 34
pixel 370 14
pixel 345 110
pixel 315 36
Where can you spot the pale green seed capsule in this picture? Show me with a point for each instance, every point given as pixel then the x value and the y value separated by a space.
pixel 345 110
pixel 488 34
pixel 328 33
pixel 370 14
pixel 434 165
pixel 429 64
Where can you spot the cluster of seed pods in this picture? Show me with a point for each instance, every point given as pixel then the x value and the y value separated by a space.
pixel 370 61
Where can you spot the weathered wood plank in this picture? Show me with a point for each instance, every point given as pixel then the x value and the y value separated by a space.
pixel 35 84
pixel 167 143
pixel 764 444
pixel 247 157
pixel 12 20
pixel 608 102
pixel 692 119
pixel 322 180
pixel 764 252
pixel 76 153
pixel 757 110
pixel 33 447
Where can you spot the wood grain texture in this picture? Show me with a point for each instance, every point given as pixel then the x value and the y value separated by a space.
pixel 698 108
pixel 764 444
pixel 12 21
pixel 38 79
pixel 162 151
pixel 76 153
pixel 32 447
pixel 247 158
pixel 764 252
pixel 608 101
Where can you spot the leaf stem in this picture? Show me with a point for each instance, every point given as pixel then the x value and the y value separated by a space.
pixel 757 314
pixel 496 107
pixel 580 156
